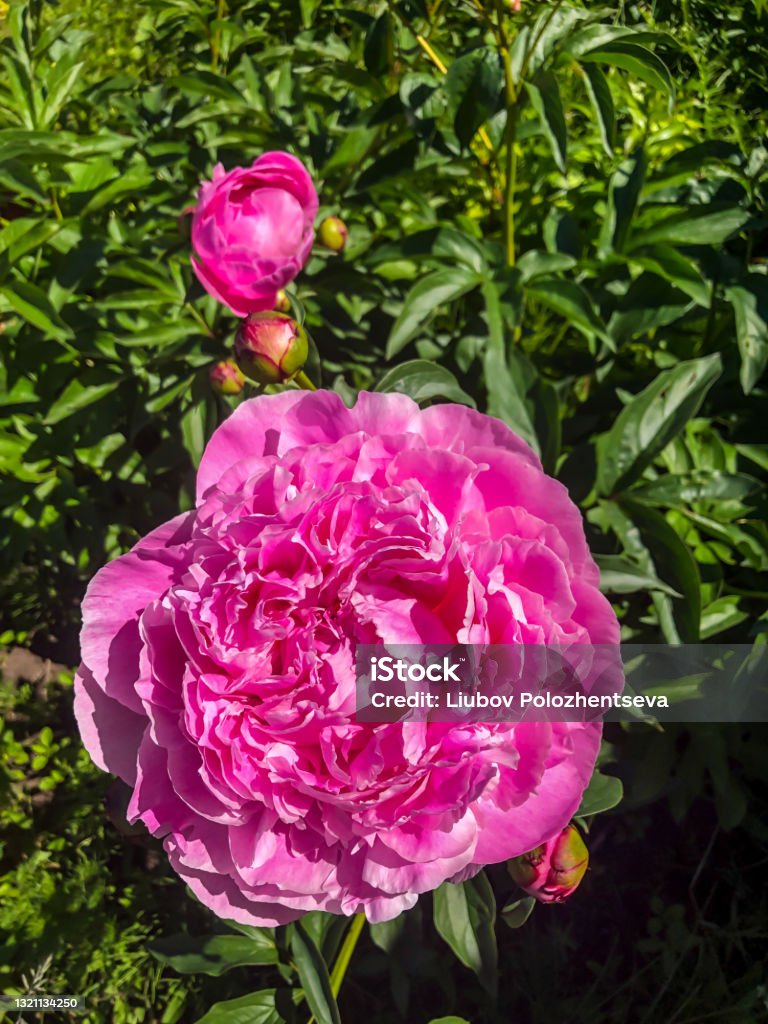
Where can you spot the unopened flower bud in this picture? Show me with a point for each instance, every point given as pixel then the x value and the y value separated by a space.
pixel 226 378
pixel 282 302
pixel 271 347
pixel 333 233
pixel 553 870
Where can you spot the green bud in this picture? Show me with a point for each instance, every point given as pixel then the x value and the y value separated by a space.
pixel 226 378
pixel 333 233
pixel 271 347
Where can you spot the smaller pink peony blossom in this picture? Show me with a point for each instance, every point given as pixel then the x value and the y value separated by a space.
pixel 226 378
pixel 271 347
pixel 252 231
pixel 553 870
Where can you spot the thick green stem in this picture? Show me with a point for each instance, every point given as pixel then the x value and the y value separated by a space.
pixel 303 381
pixel 345 953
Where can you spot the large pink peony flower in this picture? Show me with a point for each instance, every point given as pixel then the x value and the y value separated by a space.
pixel 252 231
pixel 218 656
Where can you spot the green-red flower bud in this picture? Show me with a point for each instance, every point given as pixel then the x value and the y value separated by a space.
pixel 226 378
pixel 282 302
pixel 333 233
pixel 271 347
pixel 553 870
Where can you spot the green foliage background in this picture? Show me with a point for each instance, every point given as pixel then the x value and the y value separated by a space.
pixel 557 215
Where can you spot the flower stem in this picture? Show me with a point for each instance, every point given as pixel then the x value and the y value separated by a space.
pixel 304 382
pixel 345 953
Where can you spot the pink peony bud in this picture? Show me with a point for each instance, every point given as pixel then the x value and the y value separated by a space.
pixel 271 347
pixel 333 233
pixel 282 302
pixel 226 378
pixel 553 870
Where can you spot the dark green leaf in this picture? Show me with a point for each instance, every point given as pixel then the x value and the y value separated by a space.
pixel 701 485
pixel 619 575
pixel 256 1008
pixel 473 84
pixel 544 94
pixel 707 225
pixel 602 101
pixel 422 300
pixel 214 954
pixel 651 420
pixel 623 194
pixel 602 793
pixel 638 60
pixel 515 914
pixel 313 974
pixel 378 52
pixel 77 396
pixel 750 306
pixel 423 380
pixel 34 305
pixel 571 301
pixel 465 917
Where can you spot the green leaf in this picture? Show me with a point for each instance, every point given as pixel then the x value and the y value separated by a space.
pixel 602 793
pixel 443 244
pixel 638 60
pixel 472 85
pixel 77 396
pixel 256 1008
pixel 651 420
pixel 465 917
pixel 750 306
pixel 680 271
pixel 593 37
pixel 720 615
pixel 206 83
pixel 313 974
pixel 674 490
pixel 623 194
pixel 423 380
pixel 379 49
pixel 619 575
pixel 449 1020
pixel 707 225
pixel 422 300
pixel 544 94
pixel 515 914
pixel 35 307
pixel 571 301
pixel 537 263
pixel 213 954
pixel 602 101
pixel 649 303
pixel 506 391
pixel 668 557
